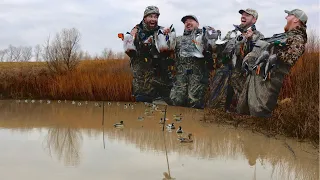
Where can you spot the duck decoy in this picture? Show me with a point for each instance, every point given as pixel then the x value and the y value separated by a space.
pixel 177 118
pixel 179 131
pixel 186 140
pixel 119 124
pixel 171 126
pixel 179 115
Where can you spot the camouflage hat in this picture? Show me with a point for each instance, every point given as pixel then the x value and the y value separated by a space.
pixel 302 16
pixel 151 10
pixel 189 17
pixel 252 12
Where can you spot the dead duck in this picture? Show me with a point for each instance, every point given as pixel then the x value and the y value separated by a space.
pixel 119 124
pixel 186 140
pixel 179 131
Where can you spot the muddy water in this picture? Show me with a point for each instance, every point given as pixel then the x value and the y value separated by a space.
pixel 77 141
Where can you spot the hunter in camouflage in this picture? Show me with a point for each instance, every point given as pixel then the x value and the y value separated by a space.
pixel 151 76
pixel 227 82
pixel 191 79
pixel 259 96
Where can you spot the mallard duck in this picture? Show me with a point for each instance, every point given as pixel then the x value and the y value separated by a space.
pixel 140 118
pixel 180 115
pixel 177 118
pixel 179 131
pixel 186 140
pixel 171 126
pixel 119 124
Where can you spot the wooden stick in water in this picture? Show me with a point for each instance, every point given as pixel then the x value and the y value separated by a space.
pixel 102 112
pixel 164 119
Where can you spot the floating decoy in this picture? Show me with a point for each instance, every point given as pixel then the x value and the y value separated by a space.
pixel 119 124
pixel 186 140
pixel 171 126
pixel 140 118
pixel 179 131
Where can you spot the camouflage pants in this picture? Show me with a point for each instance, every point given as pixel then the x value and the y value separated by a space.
pixel 236 84
pixel 189 86
pixel 218 88
pixel 148 84
pixel 259 97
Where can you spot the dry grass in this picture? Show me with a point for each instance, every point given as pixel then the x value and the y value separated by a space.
pixel 93 80
pixel 297 114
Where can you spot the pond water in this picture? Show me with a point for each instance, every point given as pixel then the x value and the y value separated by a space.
pixel 69 140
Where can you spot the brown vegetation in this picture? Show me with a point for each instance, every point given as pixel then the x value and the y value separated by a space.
pixel 92 80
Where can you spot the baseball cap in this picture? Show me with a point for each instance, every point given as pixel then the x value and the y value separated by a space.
pixel 302 16
pixel 189 16
pixel 250 11
pixel 151 10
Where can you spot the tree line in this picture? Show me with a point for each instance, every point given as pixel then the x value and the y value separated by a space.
pixel 65 44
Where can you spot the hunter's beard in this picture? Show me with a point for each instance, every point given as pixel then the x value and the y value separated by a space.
pixel 288 26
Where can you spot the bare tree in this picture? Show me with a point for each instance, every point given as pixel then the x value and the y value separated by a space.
pixel 63 53
pixel 37 52
pixel 26 53
pixel 86 56
pixel 3 54
pixel 107 54
pixel 17 53
pixel 104 53
pixel 120 55
pixel 10 53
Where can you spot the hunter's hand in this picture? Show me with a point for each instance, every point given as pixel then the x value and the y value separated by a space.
pixel 133 31
pixel 248 34
pixel 166 31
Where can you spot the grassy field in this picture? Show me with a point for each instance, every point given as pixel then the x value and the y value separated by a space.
pixel 93 80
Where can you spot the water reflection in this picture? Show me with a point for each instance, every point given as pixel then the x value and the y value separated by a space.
pixel 65 143
pixel 69 126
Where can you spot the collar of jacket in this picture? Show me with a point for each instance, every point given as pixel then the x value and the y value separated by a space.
pixel 185 32
pixel 299 30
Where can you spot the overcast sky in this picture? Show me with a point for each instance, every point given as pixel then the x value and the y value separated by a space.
pixel 29 22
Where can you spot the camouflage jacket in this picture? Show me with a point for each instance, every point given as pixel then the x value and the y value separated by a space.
pixel 295 46
pixel 241 48
pixel 144 42
pixel 185 45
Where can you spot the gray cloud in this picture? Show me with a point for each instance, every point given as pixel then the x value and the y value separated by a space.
pixel 30 22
